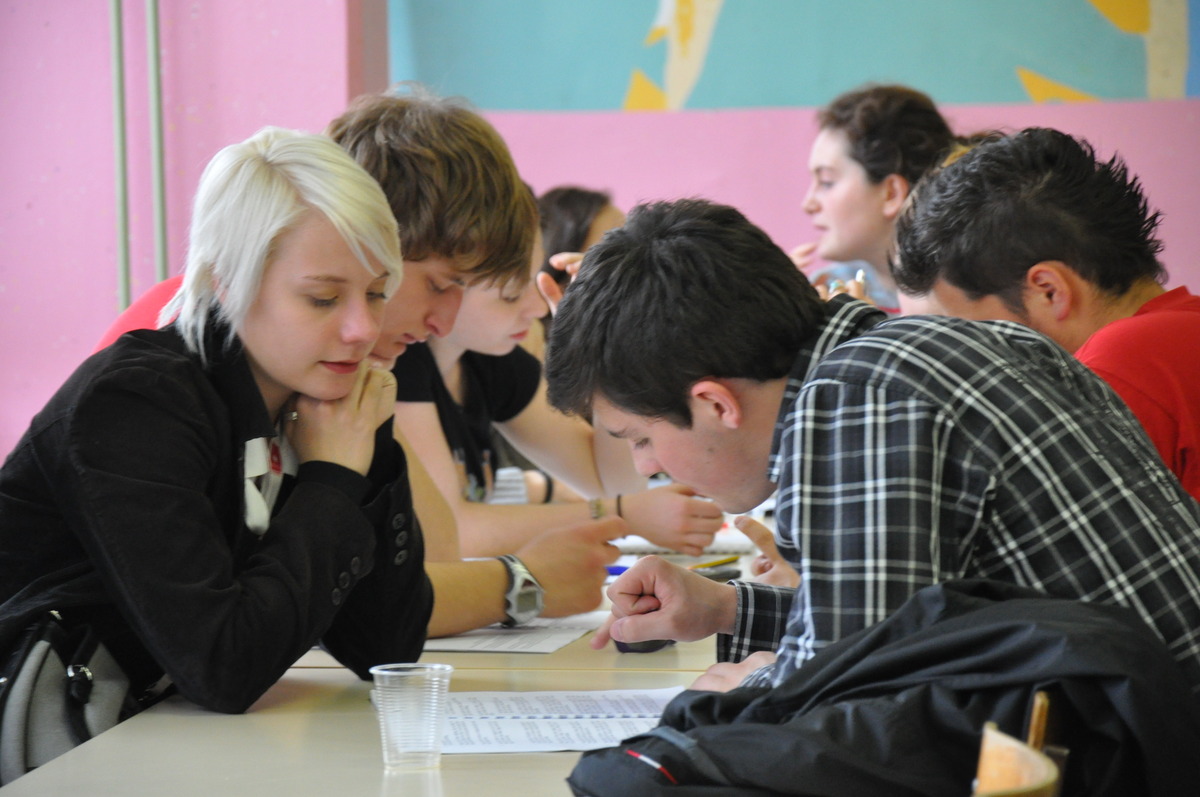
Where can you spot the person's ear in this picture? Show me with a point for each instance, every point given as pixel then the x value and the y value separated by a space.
pixel 895 194
pixel 1049 293
pixel 712 400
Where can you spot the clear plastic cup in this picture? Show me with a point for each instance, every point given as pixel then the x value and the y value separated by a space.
pixel 412 783
pixel 410 700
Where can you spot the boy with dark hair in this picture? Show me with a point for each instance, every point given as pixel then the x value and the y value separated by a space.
pixel 686 247
pixel 1034 228
pixel 905 453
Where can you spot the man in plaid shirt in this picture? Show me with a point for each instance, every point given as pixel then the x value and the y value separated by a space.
pixel 905 452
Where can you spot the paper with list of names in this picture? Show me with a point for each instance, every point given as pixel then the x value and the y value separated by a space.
pixel 535 722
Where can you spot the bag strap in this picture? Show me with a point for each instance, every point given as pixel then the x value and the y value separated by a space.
pixel 80 681
pixel 40 647
pixel 48 627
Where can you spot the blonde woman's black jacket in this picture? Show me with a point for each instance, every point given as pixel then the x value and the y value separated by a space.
pixel 123 504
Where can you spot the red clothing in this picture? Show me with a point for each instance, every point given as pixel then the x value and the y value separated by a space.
pixel 1152 360
pixel 143 313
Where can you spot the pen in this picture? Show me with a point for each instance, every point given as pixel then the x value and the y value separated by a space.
pixel 714 563
pixel 616 570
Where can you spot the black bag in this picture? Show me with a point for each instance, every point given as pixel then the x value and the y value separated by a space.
pixel 59 688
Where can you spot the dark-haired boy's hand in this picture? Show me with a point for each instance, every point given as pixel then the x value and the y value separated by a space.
pixel 655 599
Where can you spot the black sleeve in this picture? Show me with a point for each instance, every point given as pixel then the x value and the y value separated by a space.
pixel 415 371
pixel 385 615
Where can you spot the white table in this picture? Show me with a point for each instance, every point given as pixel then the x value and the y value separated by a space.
pixel 578 655
pixel 313 733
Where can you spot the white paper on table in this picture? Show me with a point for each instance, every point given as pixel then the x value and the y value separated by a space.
pixel 540 635
pixel 532 722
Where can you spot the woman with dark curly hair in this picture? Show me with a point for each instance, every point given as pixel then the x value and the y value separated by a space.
pixel 874 144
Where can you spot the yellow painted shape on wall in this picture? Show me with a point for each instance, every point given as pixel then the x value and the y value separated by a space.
pixel 1043 89
pixel 643 94
pixel 685 23
pixel 1130 16
pixel 687 26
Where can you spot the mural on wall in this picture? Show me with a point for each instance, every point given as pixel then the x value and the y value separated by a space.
pixel 1162 25
pixel 686 27
pixel 547 55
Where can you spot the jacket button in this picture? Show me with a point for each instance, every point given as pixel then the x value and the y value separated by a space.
pixel 336 596
pixel 398 521
pixel 344 580
pixel 402 539
pixel 401 558
pixel 355 565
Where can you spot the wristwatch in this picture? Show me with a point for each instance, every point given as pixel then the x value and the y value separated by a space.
pixel 525 597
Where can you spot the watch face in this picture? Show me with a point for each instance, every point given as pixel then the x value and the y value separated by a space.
pixel 524 600
pixel 527 601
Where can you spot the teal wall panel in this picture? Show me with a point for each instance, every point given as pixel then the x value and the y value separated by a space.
pixel 774 53
pixel 523 55
pixel 560 55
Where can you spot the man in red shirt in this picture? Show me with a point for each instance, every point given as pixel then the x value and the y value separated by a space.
pixel 1034 228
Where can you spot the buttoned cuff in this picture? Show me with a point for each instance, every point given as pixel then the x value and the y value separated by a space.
pixel 729 646
pixel 762 612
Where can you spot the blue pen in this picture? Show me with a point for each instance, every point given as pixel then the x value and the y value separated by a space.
pixel 616 570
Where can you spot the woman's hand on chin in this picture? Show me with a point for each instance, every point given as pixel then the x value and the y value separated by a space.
pixel 342 431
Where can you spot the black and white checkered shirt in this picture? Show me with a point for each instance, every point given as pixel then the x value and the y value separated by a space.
pixel 924 449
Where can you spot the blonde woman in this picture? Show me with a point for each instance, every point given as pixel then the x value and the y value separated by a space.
pixel 215 497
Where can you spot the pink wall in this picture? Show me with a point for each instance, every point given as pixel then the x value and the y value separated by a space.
pixel 229 67
pixel 757 160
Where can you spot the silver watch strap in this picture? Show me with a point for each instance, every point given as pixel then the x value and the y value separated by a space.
pixel 519 576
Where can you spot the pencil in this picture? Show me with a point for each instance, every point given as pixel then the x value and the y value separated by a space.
pixel 714 563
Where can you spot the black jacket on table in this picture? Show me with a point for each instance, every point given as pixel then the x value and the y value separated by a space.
pixel 123 506
pixel 897 709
